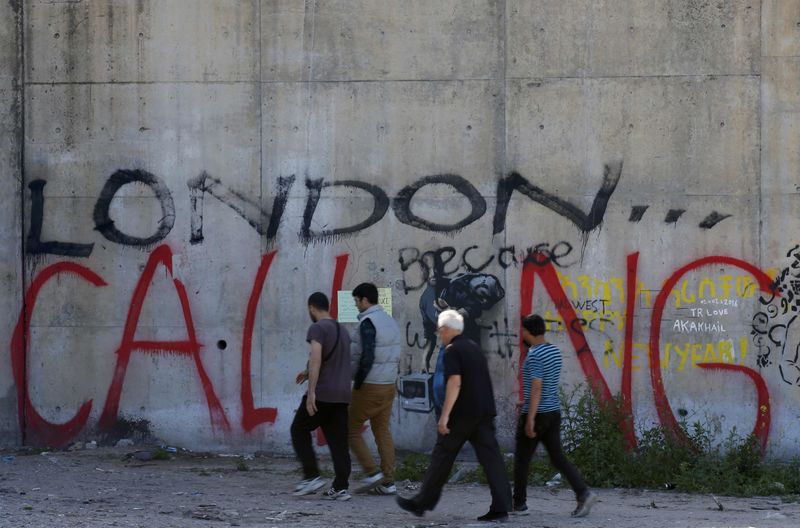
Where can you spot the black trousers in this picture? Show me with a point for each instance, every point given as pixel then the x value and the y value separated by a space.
pixel 332 418
pixel 481 434
pixel 548 431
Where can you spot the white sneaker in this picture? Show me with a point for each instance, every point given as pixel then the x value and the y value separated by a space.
pixel 385 489
pixel 304 487
pixel 369 482
pixel 585 505
pixel 338 495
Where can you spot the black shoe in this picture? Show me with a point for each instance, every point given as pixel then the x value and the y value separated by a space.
pixel 409 506
pixel 520 509
pixel 493 516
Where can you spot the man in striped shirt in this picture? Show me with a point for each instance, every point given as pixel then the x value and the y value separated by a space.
pixel 540 418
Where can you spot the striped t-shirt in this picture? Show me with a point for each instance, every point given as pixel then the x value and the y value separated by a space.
pixel 542 362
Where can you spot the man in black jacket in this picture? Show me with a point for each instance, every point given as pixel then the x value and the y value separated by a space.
pixel 467 415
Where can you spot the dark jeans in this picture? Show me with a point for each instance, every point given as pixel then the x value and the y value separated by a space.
pixel 548 430
pixel 481 434
pixel 332 418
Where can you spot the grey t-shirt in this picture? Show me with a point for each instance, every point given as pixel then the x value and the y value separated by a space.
pixel 333 385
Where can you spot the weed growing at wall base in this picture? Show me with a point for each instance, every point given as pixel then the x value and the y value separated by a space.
pixel 595 442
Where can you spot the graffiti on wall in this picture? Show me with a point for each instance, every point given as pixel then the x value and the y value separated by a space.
pixel 775 331
pixel 39 430
pixel 452 278
pixel 266 221
pixel 548 275
pixel 471 280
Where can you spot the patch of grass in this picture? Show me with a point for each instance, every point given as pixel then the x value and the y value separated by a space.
pixel 412 467
pixel 539 472
pixel 161 454
pixel 29 451
pixel 478 475
pixel 241 465
pixel 594 441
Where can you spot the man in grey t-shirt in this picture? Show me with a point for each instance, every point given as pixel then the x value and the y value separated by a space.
pixel 325 403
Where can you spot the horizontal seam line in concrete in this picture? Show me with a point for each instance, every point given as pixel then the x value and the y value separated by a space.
pixel 658 76
pixel 335 81
pixel 745 193
pixel 117 326
pixel 60 83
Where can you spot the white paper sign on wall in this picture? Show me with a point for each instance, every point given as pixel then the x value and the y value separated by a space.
pixel 348 313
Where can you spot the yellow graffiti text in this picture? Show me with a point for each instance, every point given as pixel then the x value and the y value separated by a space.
pixel 688 291
pixel 678 356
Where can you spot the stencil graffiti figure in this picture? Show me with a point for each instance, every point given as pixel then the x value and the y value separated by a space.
pixel 470 295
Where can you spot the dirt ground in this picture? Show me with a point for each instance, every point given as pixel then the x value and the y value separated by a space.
pixel 101 488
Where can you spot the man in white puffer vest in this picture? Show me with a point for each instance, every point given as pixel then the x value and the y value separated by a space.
pixel 374 354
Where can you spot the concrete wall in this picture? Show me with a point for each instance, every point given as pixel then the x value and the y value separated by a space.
pixel 11 276
pixel 198 171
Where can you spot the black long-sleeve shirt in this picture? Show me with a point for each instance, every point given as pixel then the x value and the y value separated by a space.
pixel 368 336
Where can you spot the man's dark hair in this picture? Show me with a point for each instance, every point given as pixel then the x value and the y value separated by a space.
pixel 319 301
pixel 368 291
pixel 534 324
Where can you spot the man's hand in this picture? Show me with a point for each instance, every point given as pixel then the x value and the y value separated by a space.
pixel 301 377
pixel 443 429
pixel 529 427
pixel 311 403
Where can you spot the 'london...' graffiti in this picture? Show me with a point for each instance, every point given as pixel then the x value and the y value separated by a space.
pixel 267 221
